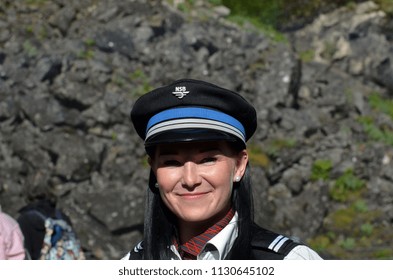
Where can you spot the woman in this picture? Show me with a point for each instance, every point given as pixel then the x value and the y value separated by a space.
pixel 199 201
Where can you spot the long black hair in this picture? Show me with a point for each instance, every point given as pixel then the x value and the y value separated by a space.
pixel 160 222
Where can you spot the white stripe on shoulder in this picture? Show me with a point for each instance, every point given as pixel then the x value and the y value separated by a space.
pixel 276 241
pixel 138 247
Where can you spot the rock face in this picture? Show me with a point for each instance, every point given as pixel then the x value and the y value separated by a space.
pixel 322 155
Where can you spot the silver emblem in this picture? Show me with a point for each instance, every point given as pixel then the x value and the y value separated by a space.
pixel 180 92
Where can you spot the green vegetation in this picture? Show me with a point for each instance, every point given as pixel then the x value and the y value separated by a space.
pixel 353 228
pixel 278 14
pixel 139 78
pixel 380 104
pixel 382 134
pixel 271 16
pixel 320 170
pixel 367 229
pixel 346 186
pixel 386 6
pixel 283 13
pixel 307 56
pixel 268 30
pixel 88 52
pixel 257 156
pixel 261 157
pixel 375 133
pixel 30 49
pixel 274 146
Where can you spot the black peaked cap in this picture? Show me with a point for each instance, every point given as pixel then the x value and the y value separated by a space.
pixel 196 94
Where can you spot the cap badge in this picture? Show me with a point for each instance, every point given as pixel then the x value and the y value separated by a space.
pixel 180 92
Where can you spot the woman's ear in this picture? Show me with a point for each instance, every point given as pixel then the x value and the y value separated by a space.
pixel 241 164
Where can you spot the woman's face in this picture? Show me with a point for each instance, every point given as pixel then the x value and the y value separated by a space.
pixel 195 179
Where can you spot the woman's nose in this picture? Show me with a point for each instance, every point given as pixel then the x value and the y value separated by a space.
pixel 190 177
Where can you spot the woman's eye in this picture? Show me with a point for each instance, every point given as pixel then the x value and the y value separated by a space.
pixel 209 160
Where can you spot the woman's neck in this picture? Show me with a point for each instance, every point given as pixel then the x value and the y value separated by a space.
pixel 188 230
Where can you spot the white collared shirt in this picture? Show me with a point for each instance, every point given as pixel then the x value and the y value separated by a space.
pixel 220 245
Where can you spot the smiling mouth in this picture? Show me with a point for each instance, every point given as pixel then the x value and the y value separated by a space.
pixel 193 195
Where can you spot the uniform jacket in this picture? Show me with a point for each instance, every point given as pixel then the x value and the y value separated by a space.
pixel 265 245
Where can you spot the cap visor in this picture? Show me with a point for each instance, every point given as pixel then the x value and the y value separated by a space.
pixel 189 135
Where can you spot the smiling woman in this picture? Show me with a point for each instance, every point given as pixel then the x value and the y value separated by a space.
pixel 199 200
pixel 196 181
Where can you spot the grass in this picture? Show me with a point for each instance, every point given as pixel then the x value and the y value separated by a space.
pixel 320 170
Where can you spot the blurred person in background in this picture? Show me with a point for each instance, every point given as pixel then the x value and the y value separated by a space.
pixel 11 238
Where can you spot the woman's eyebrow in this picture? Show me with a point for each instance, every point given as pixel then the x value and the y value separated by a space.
pixel 209 149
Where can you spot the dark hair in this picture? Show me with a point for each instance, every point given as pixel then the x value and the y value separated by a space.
pixel 160 222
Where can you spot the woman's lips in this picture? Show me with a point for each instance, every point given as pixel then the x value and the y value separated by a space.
pixel 193 195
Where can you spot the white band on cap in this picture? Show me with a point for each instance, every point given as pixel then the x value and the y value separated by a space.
pixel 183 118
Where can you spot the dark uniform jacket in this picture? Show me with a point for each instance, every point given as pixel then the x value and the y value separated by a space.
pixel 265 245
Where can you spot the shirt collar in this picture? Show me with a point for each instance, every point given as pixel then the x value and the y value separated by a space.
pixel 219 246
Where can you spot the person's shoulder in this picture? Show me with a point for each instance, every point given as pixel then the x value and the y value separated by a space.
pixel 267 244
pixel 302 252
pixel 136 253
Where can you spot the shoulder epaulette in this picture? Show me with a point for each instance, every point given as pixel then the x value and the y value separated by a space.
pixel 268 244
pixel 137 252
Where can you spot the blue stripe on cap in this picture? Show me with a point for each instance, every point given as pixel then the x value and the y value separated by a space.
pixel 195 112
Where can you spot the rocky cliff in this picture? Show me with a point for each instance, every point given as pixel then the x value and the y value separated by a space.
pixel 321 158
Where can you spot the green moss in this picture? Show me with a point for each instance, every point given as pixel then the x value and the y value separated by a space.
pixel 320 170
pixel 140 79
pixel 382 134
pixel 307 56
pixel 256 155
pixel 386 6
pixel 360 206
pixel 380 104
pixel 90 42
pixel 354 232
pixel 30 49
pixel 275 145
pixel 320 243
pixel 350 220
pixel 267 29
pixel 86 54
pixel 375 133
pixel 345 186
pixel 348 243
pixel 383 254
pixel 329 50
pixel 367 229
